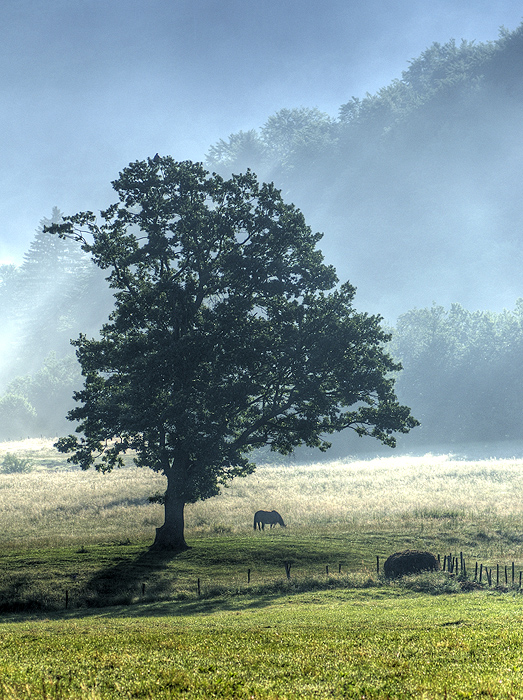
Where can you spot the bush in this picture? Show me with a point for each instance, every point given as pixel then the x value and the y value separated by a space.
pixel 16 465
pixel 410 561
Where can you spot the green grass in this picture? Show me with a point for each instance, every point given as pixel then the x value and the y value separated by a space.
pixel 63 530
pixel 366 643
pixel 112 573
pixel 138 626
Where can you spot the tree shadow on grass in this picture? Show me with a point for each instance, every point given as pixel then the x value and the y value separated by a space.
pixel 145 576
pixel 165 608
pixel 147 585
pixel 118 592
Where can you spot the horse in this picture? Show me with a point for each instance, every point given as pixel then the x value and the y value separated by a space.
pixel 264 517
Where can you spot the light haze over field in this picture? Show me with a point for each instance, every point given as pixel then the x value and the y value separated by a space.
pixel 89 86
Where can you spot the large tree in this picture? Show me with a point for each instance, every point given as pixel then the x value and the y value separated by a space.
pixel 228 334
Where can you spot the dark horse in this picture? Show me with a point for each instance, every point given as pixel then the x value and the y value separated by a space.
pixel 264 517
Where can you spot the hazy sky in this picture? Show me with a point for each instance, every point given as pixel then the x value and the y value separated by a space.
pixel 90 85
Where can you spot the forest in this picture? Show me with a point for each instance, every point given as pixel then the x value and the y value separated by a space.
pixel 417 187
pixel 417 190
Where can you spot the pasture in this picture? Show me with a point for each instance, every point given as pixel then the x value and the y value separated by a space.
pixel 476 505
pixel 370 643
pixel 194 625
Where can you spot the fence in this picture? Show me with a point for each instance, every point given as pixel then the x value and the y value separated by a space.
pixel 457 566
pixel 453 564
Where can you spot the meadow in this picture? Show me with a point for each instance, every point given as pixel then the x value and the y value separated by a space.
pixel 477 503
pixel 88 612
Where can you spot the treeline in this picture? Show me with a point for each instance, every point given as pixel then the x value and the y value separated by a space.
pixel 294 142
pixel 463 373
pixel 420 181
pixel 56 293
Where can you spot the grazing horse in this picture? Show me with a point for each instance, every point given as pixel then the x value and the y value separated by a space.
pixel 264 517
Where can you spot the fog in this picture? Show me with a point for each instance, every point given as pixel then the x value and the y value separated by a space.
pixel 435 221
pixel 89 87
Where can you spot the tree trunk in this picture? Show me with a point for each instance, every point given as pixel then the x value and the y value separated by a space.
pixel 171 534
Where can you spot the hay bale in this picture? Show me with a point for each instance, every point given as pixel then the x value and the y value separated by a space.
pixel 411 561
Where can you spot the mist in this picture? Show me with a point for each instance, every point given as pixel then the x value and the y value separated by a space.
pixel 434 222
pixel 424 212
pixel 89 87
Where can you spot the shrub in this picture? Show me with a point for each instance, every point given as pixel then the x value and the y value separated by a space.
pixel 16 465
pixel 17 416
pixel 409 562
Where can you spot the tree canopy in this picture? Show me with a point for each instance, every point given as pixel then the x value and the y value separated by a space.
pixel 229 333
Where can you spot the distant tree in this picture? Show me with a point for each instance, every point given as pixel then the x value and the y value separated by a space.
pixel 425 345
pixel 463 372
pixel 48 392
pixel 289 140
pixel 50 270
pixel 8 292
pixel 8 335
pixel 242 151
pixel 17 417
pixel 227 335
pixel 55 292
pixel 290 133
pixel 441 65
pixel 8 275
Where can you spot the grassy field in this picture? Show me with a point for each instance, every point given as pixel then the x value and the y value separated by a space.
pixel 222 620
pixel 478 504
pixel 358 643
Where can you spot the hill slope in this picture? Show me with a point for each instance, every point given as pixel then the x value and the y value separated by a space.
pixel 416 188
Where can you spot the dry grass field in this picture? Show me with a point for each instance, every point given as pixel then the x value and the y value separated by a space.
pixel 56 504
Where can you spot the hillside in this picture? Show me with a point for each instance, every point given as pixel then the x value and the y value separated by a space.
pixel 417 187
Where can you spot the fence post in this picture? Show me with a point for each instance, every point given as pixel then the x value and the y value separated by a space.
pixel 66 599
pixel 513 573
pixel 497 574
pixel 248 575
pixel 327 570
pixel 476 572
pixel 199 589
pixel 506 575
pixel 480 572
pixel 143 589
pixel 288 569
pixel 339 568
pixel 378 566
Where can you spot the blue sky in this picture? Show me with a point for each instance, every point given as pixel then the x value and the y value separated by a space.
pixel 90 85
